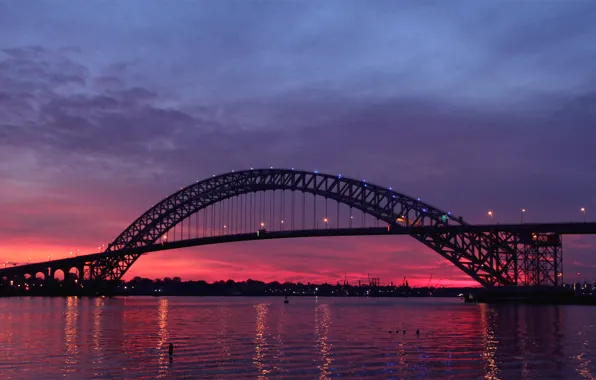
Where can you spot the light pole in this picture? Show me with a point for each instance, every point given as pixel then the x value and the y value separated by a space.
pixel 490 215
pixel 523 210
pixel 281 225
pixel 583 210
pixel 325 220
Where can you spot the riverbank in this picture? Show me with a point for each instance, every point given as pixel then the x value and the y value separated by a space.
pixel 542 295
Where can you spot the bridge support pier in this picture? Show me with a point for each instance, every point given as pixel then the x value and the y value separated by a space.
pixel 540 259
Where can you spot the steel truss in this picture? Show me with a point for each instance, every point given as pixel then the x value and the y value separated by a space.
pixel 541 259
pixel 492 255
pixel 485 257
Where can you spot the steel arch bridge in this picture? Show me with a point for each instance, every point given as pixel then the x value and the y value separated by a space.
pixel 486 258
pixel 237 206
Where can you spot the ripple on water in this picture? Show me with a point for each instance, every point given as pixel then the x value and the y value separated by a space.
pixel 220 338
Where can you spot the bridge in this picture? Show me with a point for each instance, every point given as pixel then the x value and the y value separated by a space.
pixel 262 204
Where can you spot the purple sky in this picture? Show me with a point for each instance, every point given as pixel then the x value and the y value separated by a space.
pixel 106 107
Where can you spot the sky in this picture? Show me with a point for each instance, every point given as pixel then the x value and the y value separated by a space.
pixel 108 107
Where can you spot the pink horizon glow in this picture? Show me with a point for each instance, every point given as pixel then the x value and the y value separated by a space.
pixel 104 111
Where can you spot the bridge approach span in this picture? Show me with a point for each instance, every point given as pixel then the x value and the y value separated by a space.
pixel 530 229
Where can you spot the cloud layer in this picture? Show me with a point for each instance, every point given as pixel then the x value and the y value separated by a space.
pixel 106 108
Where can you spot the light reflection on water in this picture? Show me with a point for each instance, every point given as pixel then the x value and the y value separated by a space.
pixel 220 338
pixel 163 345
pixel 322 325
pixel 70 334
pixel 584 363
pixel 96 332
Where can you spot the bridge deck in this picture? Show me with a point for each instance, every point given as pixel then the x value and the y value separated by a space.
pixel 560 228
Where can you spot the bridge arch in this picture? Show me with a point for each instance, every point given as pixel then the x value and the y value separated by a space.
pixel 471 253
pixel 58 274
pixel 72 274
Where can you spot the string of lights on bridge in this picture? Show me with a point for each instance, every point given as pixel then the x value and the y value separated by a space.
pixel 233 218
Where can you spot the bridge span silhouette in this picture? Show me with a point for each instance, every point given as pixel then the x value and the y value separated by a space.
pixel 263 204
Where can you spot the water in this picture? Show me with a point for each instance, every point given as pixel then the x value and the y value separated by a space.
pixel 309 338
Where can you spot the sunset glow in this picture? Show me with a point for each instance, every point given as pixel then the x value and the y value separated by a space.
pixel 105 112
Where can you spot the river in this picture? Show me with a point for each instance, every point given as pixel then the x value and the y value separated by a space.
pixel 309 338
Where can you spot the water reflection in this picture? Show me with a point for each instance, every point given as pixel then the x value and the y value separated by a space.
pixel 517 337
pixel 281 331
pixel 490 342
pixel 70 333
pixel 232 337
pixel 322 326
pixel 6 338
pixel 222 340
pixel 260 341
pixel 583 367
pixel 96 336
pixel 163 336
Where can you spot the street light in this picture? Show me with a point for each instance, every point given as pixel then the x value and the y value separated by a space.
pixel 583 210
pixel 490 215
pixel 262 224
pixel 281 225
pixel 523 210
pixel 325 220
